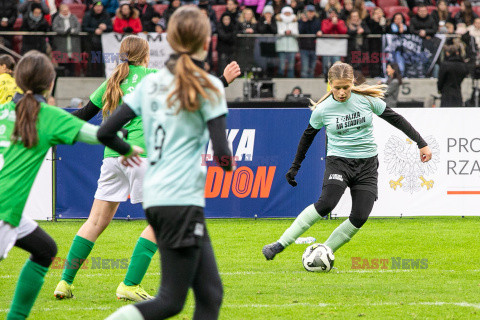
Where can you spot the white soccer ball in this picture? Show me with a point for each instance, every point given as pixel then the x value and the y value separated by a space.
pixel 318 258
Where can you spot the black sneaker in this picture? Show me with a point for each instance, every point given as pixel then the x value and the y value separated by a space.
pixel 270 250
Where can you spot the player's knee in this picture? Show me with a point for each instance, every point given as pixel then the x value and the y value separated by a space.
pixel 170 306
pixel 324 206
pixel 44 257
pixel 213 297
pixel 358 221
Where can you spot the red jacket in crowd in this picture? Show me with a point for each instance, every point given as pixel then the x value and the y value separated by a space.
pixel 329 28
pixel 134 22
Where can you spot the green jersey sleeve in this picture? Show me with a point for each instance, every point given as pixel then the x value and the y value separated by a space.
pixel 316 119
pixel 61 126
pixel 97 96
pixel 217 107
pixel 377 105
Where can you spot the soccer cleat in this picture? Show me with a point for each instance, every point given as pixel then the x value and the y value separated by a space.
pixel 270 250
pixel 63 290
pixel 133 293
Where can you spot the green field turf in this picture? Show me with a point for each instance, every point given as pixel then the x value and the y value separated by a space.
pixel 281 289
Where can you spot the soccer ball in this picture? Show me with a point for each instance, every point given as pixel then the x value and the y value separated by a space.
pixel 318 258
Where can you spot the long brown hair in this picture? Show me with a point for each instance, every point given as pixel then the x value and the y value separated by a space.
pixel 8 61
pixel 34 74
pixel 133 51
pixel 188 29
pixel 344 71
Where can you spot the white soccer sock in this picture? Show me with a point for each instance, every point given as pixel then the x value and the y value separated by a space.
pixel 126 313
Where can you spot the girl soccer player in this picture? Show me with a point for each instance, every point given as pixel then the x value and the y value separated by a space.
pixel 116 182
pixel 346 113
pixel 180 105
pixel 28 128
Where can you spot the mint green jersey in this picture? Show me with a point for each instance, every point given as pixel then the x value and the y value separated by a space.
pixel 19 165
pixel 175 141
pixel 348 125
pixel 134 127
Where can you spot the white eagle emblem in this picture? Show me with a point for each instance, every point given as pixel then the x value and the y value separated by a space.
pixel 403 159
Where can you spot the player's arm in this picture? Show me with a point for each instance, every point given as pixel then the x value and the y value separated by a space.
pixel 221 151
pixel 303 146
pixel 107 134
pixel 399 122
pixel 87 112
pixel 231 72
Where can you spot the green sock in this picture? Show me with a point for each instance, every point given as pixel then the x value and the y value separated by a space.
pixel 304 221
pixel 28 286
pixel 341 235
pixel 141 257
pixel 129 312
pixel 79 251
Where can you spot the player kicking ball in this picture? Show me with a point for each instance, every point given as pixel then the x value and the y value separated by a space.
pixel 346 112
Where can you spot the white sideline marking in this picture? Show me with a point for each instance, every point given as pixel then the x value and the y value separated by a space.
pixel 317 305
pixel 244 273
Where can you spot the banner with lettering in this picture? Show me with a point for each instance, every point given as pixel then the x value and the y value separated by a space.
pixel 160 50
pixel 415 56
pixel 264 142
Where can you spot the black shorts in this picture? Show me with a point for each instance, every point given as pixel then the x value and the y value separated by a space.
pixel 177 226
pixel 357 174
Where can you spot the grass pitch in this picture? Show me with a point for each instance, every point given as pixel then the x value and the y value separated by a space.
pixel 449 288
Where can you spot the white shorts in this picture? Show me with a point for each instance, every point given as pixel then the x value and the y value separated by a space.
pixel 10 234
pixel 117 182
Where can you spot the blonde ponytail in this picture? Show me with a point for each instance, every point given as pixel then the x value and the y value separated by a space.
pixel 113 93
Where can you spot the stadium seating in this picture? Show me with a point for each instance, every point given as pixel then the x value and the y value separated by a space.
pixel 219 10
pixel 387 3
pixel 390 11
pixel 160 8
pixel 429 8
pixel 77 9
pixel 453 10
pixel 476 9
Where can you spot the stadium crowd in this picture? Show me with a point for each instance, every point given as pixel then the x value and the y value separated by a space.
pixel 292 54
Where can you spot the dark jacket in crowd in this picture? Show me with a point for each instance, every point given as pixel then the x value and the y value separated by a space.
pixel 428 24
pixel 452 72
pixel 226 37
pixel 90 23
pixel 34 42
pixel 308 27
pixel 147 13
pixel 436 17
pixel 460 18
pixel 391 96
pixel 235 15
pixel 265 28
pixel 8 9
pixel 111 6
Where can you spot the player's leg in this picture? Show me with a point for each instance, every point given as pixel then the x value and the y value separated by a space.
pixel 207 284
pixel 331 194
pixel 145 248
pixel 43 249
pixel 101 215
pixel 362 205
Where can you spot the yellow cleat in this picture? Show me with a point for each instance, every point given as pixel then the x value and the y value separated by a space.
pixel 133 293
pixel 63 290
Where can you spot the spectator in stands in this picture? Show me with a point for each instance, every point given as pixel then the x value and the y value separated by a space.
pixel 233 11
pixel 347 8
pixel 278 6
pixel 298 6
pixel 466 43
pixel 287 45
pixel 394 81
pixel 441 16
pixel 127 19
pixel 172 6
pixel 247 22
pixel 8 15
pixel 225 42
pixel 26 7
pixel 466 14
pixel 333 4
pixel 66 24
pixel 267 23
pixel 332 25
pixel 474 31
pixel 160 27
pixel 111 7
pixel 398 25
pixel 357 29
pixel 377 24
pixel 360 7
pixel 96 21
pixel 309 24
pixel 34 21
pixel 148 16
pixel 423 24
pixel 205 4
pixel 452 72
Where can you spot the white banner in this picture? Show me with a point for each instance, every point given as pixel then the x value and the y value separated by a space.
pixel 331 47
pixel 447 185
pixel 40 201
pixel 160 50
